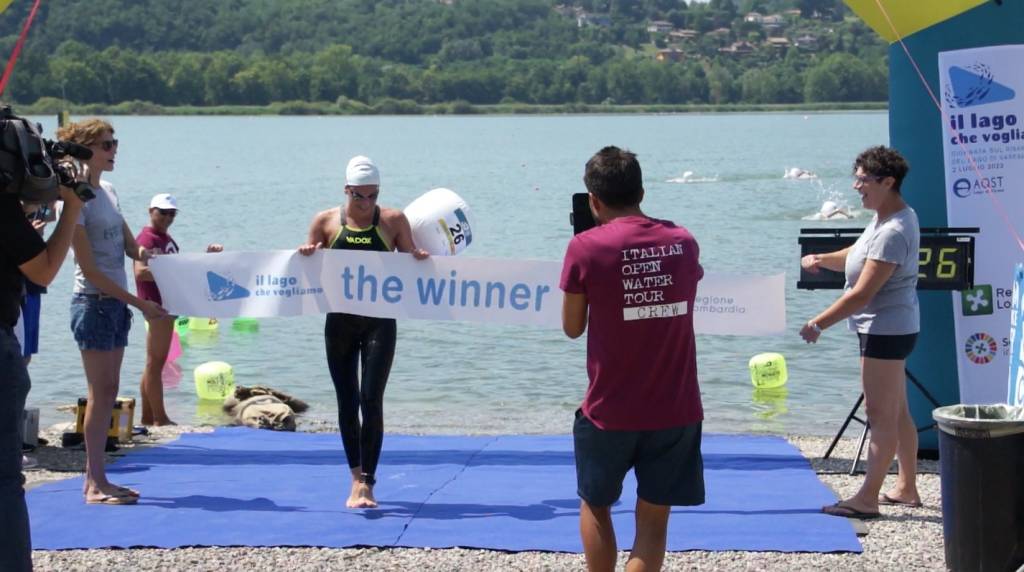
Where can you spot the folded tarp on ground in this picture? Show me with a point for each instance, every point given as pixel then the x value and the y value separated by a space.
pixel 245 487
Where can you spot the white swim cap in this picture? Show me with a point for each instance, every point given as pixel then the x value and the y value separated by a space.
pixel 361 171
pixel 828 208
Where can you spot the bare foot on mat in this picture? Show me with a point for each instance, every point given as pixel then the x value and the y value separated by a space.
pixel 361 496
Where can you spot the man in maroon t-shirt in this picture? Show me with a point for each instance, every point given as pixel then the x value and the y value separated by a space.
pixel 633 280
pixel 163 208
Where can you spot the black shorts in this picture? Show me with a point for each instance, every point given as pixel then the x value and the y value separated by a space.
pixel 886 347
pixel 668 465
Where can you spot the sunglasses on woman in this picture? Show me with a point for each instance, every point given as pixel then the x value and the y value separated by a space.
pixel 108 144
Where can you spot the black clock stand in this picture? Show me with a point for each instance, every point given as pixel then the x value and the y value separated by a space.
pixel 867 426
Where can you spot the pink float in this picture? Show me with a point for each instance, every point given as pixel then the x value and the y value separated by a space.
pixel 171 375
pixel 175 351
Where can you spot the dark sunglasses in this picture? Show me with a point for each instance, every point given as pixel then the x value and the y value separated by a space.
pixel 168 212
pixel 107 145
pixel 370 197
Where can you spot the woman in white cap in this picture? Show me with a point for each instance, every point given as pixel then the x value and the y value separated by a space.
pixel 100 318
pixel 351 340
pixel 163 209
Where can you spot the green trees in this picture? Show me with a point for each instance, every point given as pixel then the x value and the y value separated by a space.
pixel 402 54
pixel 843 77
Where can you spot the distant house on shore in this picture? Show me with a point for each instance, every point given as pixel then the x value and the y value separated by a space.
pixel 772 23
pixel 778 43
pixel 741 48
pixel 587 19
pixel 659 27
pixel 683 35
pixel 670 55
pixel 721 34
pixel 754 18
pixel 806 42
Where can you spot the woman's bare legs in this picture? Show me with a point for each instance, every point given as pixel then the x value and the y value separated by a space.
pixel 103 374
pixel 158 344
pixel 885 403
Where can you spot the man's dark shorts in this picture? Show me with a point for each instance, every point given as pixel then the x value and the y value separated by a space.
pixel 668 465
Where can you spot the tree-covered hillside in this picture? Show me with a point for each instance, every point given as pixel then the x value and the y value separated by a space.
pixel 360 53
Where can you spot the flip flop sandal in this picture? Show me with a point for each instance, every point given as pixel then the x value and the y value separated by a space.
pixel 127 492
pixel 113 499
pixel 840 509
pixel 886 499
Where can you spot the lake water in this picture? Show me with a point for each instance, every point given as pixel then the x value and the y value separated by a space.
pixel 253 183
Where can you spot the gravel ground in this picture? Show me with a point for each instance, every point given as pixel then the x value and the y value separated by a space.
pixel 905 539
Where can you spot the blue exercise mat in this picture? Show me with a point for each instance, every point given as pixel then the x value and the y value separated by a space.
pixel 244 487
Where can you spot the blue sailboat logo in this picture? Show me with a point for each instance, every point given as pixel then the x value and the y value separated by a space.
pixel 975 85
pixel 222 288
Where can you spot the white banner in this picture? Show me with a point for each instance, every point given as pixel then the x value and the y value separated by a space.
pixel 394 285
pixel 983 144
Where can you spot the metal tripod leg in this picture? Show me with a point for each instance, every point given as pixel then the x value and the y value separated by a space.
pixel 851 417
pixel 867 426
pixel 860 448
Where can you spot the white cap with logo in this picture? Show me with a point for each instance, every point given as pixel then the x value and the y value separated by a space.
pixel 164 201
pixel 361 171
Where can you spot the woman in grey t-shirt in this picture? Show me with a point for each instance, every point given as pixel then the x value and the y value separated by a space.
pixel 100 318
pixel 880 304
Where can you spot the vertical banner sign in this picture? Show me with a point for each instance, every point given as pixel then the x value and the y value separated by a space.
pixel 1016 385
pixel 983 147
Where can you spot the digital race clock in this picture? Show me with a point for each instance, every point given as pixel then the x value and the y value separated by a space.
pixel 946 257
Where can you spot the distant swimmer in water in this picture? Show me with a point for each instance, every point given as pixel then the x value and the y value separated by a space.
pixel 830 210
pixel 691 177
pixel 798 173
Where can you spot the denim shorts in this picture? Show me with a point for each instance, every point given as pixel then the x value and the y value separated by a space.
pixel 668 464
pixel 100 323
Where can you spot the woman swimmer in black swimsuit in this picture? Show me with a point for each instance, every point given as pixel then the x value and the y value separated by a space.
pixel 350 339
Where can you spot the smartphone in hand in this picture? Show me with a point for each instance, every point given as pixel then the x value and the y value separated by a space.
pixel 581 218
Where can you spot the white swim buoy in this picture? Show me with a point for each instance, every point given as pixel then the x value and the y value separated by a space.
pixel 440 222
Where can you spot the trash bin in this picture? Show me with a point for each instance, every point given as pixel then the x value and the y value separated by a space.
pixel 981 458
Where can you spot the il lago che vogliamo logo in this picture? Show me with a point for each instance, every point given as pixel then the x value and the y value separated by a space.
pixel 223 288
pixel 973 86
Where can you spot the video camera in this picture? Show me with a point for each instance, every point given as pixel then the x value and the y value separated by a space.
pixel 33 167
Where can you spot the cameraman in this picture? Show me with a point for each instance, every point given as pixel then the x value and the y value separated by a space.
pixel 23 254
pixel 635 278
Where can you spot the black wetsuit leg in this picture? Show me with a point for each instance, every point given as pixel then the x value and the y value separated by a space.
pixel 378 353
pixel 350 340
